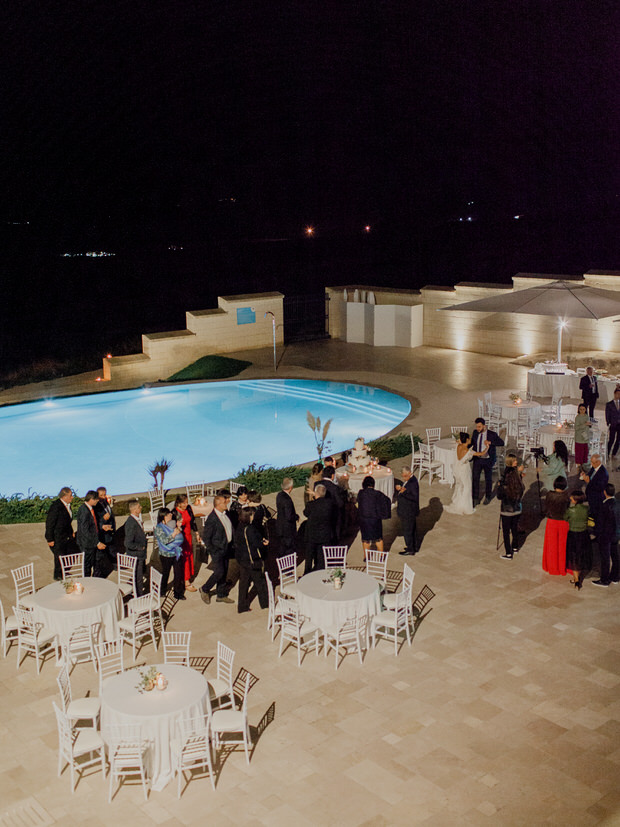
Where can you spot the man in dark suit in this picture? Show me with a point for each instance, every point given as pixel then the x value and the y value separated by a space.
pixel 286 519
pixel 483 443
pixel 217 535
pixel 135 542
pixel 612 418
pixel 88 532
pixel 336 493
pixel 408 508
pixel 107 528
pixel 589 391
pixel 58 529
pixel 595 481
pixel 607 536
pixel 320 528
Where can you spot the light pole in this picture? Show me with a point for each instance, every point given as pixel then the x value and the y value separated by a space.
pixel 273 323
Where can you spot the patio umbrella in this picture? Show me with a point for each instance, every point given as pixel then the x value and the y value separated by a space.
pixel 562 299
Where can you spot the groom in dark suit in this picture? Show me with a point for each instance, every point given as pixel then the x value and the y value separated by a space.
pixel 483 443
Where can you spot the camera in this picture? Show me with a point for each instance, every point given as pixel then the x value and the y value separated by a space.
pixel 539 452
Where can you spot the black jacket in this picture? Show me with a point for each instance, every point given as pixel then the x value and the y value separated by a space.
pixel 58 528
pixel 322 515
pixel 248 542
pixel 286 519
pixel 606 523
pixel 409 499
pixel 87 528
pixel 101 509
pixel 135 538
pixel 214 535
pixel 495 440
pixel 373 505
pixel 585 388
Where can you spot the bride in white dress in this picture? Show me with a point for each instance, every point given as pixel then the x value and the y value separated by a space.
pixel 461 498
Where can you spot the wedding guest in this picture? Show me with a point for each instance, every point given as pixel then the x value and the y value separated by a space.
pixel 238 504
pixel 135 542
pixel 408 508
pixel 217 536
pixel 510 493
pixel 555 465
pixel 595 480
pixel 373 507
pixel 286 518
pixel 320 528
pixel 88 533
pixel 338 495
pixel 483 444
pixel 608 529
pixel 107 529
pixel 556 530
pixel 58 528
pixel 578 549
pixel 183 511
pixel 169 536
pixel 583 428
pixel 588 386
pixel 261 512
pixel 249 543
pixel 612 418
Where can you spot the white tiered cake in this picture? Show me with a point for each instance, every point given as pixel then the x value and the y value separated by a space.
pixel 359 457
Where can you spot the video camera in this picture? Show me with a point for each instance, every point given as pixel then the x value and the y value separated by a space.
pixel 539 453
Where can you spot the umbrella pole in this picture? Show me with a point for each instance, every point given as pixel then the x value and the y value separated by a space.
pixel 560 342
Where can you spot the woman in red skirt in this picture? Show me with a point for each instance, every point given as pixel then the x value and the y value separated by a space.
pixel 556 530
pixel 183 511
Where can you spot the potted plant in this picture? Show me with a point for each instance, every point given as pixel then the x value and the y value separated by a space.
pixel 337 577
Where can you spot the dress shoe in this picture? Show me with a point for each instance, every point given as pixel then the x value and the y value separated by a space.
pixel 205 596
pixel 407 553
pixel 505 556
pixel 486 501
pixel 180 597
pixel 600 583
pixel 224 600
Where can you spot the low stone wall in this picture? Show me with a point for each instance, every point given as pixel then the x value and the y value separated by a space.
pixel 238 322
pixel 500 334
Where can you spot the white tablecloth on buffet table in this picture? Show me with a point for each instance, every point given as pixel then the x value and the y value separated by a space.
pixel 327 607
pixel 158 713
pixel 444 451
pixel 100 602
pixel 566 385
pixel 384 479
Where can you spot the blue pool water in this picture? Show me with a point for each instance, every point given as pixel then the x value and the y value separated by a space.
pixel 209 430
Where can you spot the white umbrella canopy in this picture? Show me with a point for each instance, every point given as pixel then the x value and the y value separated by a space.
pixel 562 299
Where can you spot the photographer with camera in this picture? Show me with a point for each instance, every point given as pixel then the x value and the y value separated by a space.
pixel 510 491
pixel 555 465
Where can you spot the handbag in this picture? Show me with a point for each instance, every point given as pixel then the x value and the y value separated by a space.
pixel 255 565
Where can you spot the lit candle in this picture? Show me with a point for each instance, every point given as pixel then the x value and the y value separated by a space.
pixel 78 588
pixel 160 681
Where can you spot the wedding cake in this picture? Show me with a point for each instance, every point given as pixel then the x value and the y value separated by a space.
pixel 359 457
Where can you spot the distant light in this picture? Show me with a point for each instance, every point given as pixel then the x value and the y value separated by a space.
pixel 469 218
pixel 108 356
pixel 367 228
pixel 98 379
pixel 460 219
pixel 309 231
pixel 517 217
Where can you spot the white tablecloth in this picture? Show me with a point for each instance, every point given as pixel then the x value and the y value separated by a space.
pixel 510 409
pixel 329 608
pixel 158 713
pixel 548 434
pixel 566 386
pixel 444 451
pixel 384 479
pixel 100 602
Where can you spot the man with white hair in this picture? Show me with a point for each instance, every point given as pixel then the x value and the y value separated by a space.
pixel 286 519
pixel 595 482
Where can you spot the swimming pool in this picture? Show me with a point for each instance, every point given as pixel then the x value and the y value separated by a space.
pixel 210 431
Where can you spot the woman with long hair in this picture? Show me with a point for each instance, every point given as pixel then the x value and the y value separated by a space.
pixel 249 545
pixel 183 511
pixel 556 530
pixel 556 465
pixel 461 499
pixel 510 491
pixel 578 549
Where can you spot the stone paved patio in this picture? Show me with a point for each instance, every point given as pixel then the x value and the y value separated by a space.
pixel 505 710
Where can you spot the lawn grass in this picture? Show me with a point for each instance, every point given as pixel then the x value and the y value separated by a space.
pixel 210 367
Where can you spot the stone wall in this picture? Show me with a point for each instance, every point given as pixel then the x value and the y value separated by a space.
pixel 237 323
pixel 501 334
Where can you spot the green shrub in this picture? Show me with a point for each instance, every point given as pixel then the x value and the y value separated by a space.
pixel 266 479
pixel 32 508
pixel 392 447
pixel 210 367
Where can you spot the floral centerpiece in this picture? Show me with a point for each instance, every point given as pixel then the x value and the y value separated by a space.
pixel 68 585
pixel 337 577
pixel 148 678
pixel 516 398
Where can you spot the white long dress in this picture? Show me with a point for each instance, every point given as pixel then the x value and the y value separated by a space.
pixel 461 498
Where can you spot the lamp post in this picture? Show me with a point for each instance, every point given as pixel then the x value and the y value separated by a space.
pixel 273 324
pixel 561 325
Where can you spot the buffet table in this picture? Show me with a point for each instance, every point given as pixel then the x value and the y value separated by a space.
pixel 327 607
pixel 100 602
pixel 384 479
pixel 158 713
pixel 566 385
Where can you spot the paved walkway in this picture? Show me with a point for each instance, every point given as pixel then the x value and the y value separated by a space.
pixel 505 710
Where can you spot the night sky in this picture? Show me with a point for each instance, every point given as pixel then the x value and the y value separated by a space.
pixel 129 125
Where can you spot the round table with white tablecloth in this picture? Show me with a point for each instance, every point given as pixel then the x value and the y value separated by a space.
pixel 566 385
pixel 158 713
pixel 100 602
pixel 444 451
pixel 384 479
pixel 327 607
pixel 548 434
